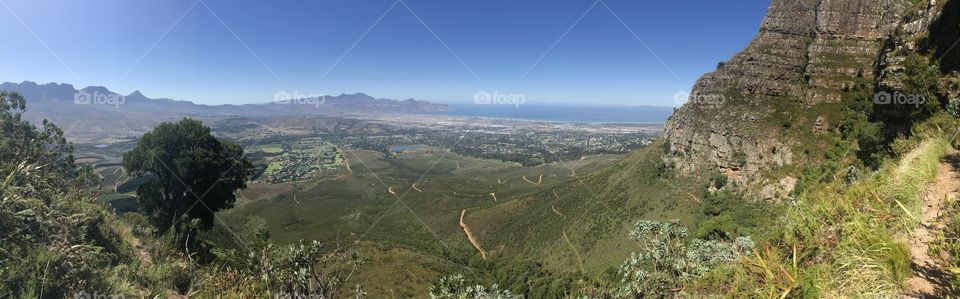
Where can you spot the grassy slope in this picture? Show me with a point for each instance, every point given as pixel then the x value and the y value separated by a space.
pixel 843 239
pixel 870 256
pixel 419 237
pixel 597 210
pixel 597 199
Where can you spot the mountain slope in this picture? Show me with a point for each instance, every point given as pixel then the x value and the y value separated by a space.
pixel 789 112
pixel 771 108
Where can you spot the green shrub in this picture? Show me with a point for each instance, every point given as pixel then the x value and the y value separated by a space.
pixel 725 215
pixel 947 244
pixel 667 259
pixel 456 287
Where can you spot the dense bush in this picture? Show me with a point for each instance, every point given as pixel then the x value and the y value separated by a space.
pixel 55 240
pixel 725 215
pixel 668 259
pixel 265 269
pixel 456 287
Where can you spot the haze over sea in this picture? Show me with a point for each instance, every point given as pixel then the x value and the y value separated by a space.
pixel 586 114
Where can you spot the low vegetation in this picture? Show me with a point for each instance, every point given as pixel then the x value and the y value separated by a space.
pixel 947 245
pixel 667 259
pixel 57 240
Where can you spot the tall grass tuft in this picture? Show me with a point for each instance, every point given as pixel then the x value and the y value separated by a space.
pixel 844 239
pixel 871 259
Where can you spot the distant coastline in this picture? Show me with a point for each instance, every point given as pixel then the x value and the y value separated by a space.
pixel 575 114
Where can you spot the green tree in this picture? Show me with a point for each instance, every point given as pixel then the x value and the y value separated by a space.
pixel 21 142
pixel 190 172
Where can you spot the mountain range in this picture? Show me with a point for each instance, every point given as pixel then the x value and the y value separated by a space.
pixel 87 113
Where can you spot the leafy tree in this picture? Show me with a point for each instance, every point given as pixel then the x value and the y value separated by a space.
pixel 920 77
pixel 192 173
pixel 725 215
pixel 856 125
pixel 20 141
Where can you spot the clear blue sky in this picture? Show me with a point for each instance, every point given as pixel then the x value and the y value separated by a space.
pixel 289 46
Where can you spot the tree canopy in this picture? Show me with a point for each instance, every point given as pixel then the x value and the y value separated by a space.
pixel 191 173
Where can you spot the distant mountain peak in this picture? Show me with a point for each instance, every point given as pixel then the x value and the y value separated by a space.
pixel 96 89
pixel 355 95
pixel 136 94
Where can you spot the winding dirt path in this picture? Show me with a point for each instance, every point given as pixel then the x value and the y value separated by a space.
pixel 470 236
pixel 539 181
pixel 928 273
pixel 574 249
pixel 557 211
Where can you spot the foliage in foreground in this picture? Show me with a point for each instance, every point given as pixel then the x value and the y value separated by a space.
pixel 947 245
pixel 57 240
pixel 842 239
pixel 668 259
pixel 297 270
pixel 53 238
pixel 456 287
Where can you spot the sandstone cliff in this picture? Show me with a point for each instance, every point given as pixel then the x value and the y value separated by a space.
pixel 806 54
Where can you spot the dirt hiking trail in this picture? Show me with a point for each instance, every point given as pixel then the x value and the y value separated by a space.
pixel 929 277
pixel 470 237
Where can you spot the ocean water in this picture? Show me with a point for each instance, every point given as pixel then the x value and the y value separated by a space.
pixel 587 114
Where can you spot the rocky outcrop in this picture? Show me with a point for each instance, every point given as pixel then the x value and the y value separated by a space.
pixel 807 53
pixel 925 29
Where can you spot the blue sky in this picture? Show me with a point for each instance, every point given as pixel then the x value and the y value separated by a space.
pixel 180 48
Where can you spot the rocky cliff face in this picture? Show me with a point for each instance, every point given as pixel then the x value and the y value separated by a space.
pixel 806 54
